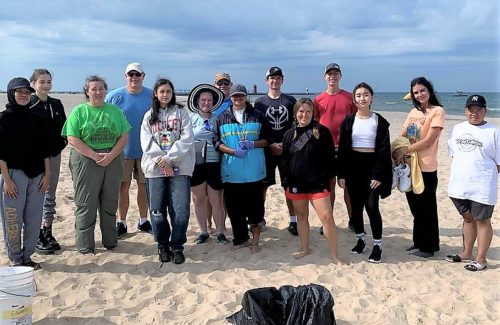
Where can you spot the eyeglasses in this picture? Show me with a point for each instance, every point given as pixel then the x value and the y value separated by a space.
pixel 23 92
pixel 134 74
pixel 207 126
pixel 223 83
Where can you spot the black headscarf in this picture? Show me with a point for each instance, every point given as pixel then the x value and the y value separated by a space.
pixel 14 84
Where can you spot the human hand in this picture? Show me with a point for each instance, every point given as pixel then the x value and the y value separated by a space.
pixel 247 144
pixel 374 184
pixel 240 153
pixel 276 148
pixel 162 163
pixel 105 160
pixel 10 188
pixel 167 170
pixel 44 183
pixel 341 182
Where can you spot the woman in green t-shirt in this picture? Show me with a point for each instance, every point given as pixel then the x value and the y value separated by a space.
pixel 97 133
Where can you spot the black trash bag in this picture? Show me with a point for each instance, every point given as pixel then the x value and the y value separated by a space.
pixel 311 304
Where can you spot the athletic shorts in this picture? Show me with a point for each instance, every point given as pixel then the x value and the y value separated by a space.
pixel 133 167
pixel 207 172
pixel 272 161
pixel 478 210
pixel 306 196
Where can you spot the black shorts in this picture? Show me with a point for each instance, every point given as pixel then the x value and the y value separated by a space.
pixel 207 172
pixel 478 210
pixel 272 161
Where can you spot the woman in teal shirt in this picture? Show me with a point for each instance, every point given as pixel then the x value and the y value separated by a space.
pixel 97 133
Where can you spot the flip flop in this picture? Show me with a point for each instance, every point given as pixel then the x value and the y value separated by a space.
pixel 456 259
pixel 475 266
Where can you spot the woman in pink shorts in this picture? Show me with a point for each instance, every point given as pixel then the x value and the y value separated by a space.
pixel 308 162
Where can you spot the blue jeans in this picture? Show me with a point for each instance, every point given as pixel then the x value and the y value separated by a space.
pixel 169 196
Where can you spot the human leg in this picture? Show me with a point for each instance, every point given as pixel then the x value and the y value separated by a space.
pixel 429 232
pixel 12 211
pixel 178 208
pixel 200 198
pixel 254 207
pixel 108 202
pixel 157 190
pixel 484 237
pixel 216 201
pixel 302 209
pixel 324 210
pixel 49 203
pixel 469 232
pixel 235 207
pixel 32 216
pixel 87 180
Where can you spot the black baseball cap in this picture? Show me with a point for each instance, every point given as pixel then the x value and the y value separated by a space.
pixel 274 71
pixel 476 100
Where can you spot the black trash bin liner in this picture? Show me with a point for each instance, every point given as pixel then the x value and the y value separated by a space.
pixel 311 304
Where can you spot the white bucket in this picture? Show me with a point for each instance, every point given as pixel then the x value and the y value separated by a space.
pixel 17 289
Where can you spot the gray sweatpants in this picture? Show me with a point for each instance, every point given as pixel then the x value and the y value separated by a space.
pixel 22 216
pixel 96 188
pixel 49 204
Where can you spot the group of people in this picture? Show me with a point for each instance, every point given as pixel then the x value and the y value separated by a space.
pixel 223 152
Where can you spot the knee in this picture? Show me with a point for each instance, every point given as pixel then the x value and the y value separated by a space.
pixel 468 218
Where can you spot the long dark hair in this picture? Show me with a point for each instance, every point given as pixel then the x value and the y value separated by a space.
pixel 433 100
pixel 155 107
pixel 362 85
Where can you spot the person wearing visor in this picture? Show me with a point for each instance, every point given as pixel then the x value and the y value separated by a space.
pixel 206 182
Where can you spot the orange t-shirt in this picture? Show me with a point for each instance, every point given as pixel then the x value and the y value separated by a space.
pixel 416 127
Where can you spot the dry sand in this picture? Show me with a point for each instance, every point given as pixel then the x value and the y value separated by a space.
pixel 127 285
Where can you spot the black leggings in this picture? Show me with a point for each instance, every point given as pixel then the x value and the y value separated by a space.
pixel 425 215
pixel 362 196
pixel 245 206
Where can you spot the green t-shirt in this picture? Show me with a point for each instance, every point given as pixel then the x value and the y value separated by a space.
pixel 97 127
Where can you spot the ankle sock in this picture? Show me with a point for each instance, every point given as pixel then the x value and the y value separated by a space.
pixel 377 242
pixel 361 236
pixel 293 218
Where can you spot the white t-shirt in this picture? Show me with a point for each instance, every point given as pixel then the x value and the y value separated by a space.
pixel 364 132
pixel 475 152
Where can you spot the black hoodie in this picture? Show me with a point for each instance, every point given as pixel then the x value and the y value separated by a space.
pixel 23 138
pixel 53 111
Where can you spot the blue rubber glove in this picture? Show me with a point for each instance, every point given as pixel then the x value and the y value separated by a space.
pixel 247 144
pixel 240 153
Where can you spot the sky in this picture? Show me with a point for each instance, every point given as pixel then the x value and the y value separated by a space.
pixel 454 43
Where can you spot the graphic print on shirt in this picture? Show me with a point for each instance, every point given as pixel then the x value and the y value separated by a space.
pixel 168 132
pixel 414 129
pixel 102 130
pixel 467 143
pixel 277 116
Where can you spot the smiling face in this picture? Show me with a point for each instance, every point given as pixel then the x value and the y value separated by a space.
pixel 475 115
pixel 134 80
pixel 224 85
pixel 304 114
pixel 274 82
pixel 332 78
pixel 421 94
pixel 164 94
pixel 96 93
pixel 239 101
pixel 363 98
pixel 22 96
pixel 43 85
pixel 206 102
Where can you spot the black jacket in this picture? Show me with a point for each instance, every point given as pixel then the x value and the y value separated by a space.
pixel 309 166
pixel 382 171
pixel 23 139
pixel 53 111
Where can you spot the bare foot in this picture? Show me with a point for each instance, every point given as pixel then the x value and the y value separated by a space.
pixel 301 254
pixel 255 248
pixel 246 243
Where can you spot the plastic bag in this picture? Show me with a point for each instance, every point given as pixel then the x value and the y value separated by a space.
pixel 311 304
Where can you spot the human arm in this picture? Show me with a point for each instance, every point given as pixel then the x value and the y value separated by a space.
pixel 83 149
pixel 45 181
pixel 107 158
pixel 9 187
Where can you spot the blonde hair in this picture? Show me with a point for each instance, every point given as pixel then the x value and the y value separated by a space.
pixel 298 105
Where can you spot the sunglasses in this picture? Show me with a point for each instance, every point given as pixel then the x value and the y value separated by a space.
pixel 207 126
pixel 134 74
pixel 223 83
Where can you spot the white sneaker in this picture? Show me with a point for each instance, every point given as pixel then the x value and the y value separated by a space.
pixel 395 175
pixel 404 178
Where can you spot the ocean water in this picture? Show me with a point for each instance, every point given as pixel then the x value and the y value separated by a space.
pixel 393 101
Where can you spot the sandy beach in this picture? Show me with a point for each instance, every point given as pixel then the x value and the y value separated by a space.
pixel 127 285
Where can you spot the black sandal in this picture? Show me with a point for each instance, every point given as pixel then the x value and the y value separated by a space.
pixel 33 264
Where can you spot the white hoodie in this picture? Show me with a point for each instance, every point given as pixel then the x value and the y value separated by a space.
pixel 171 138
